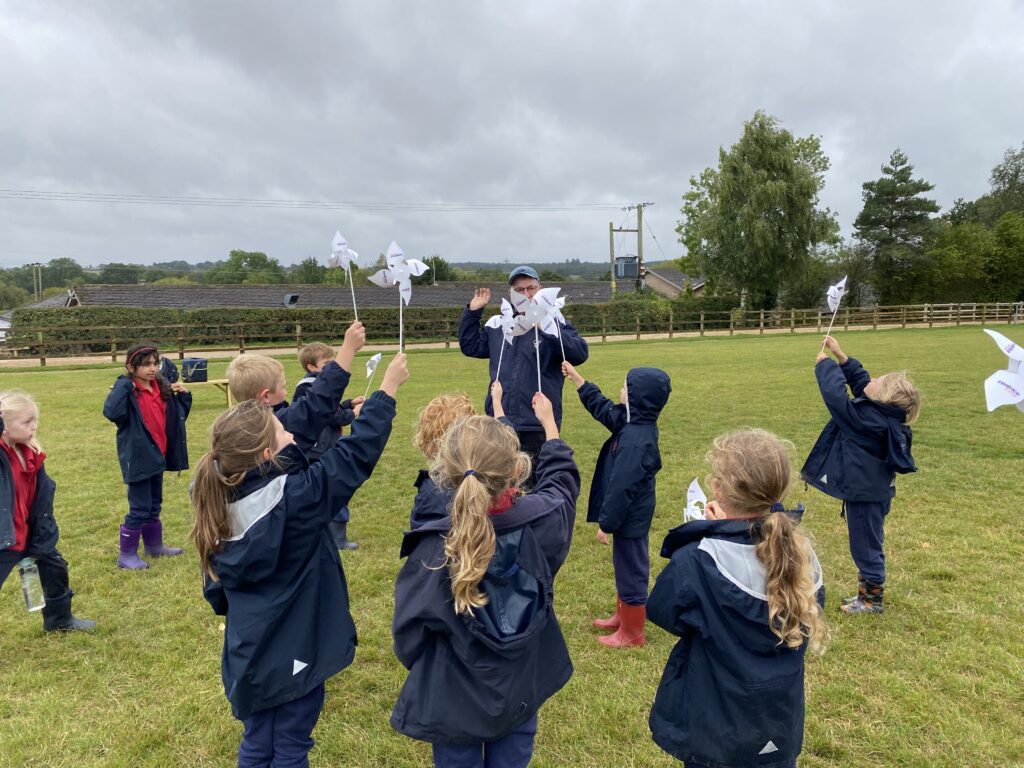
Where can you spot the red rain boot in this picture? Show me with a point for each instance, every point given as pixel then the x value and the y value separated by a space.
pixel 631 630
pixel 612 622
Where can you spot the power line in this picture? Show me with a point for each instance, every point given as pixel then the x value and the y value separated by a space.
pixel 655 238
pixel 224 202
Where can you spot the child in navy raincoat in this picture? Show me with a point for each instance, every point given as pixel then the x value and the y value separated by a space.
pixel 436 418
pixel 857 456
pixel 622 493
pixel 474 620
pixel 150 415
pixel 271 567
pixel 743 592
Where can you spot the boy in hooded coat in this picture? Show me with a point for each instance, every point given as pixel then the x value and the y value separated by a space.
pixel 866 442
pixel 622 493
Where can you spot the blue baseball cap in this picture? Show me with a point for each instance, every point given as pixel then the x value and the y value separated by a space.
pixel 522 271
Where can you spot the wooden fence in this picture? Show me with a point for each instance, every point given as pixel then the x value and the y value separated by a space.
pixel 101 341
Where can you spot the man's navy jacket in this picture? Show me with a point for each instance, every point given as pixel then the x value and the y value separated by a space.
pixel 731 696
pixel 306 418
pixel 622 493
pixel 864 444
pixel 137 452
pixel 519 366
pixel 475 678
pixel 281 583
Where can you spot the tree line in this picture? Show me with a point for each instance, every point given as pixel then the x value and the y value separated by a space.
pixel 754 226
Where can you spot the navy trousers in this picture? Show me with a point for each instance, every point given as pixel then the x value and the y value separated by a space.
pixel 512 751
pixel 280 737
pixel 632 561
pixel 145 497
pixel 865 521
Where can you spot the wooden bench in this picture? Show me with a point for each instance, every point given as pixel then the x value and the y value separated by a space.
pixel 221 384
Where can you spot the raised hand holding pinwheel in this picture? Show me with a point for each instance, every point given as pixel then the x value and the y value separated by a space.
pixel 696 502
pixel 1006 387
pixel 371 368
pixel 507 322
pixel 345 257
pixel 834 296
pixel 533 314
pixel 400 272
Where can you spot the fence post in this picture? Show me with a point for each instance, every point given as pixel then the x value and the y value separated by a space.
pixel 638 326
pixel 241 340
pixel 732 323
pixel 929 310
pixel 670 318
pixel 874 319
pixel 181 342
pixel 604 327
pixel 984 313
pixel 846 319
pixel 702 322
pixel 448 334
pixel 42 349
pixel 298 335
pixel 958 306
pixel 903 316
pixel 792 320
pixel 760 321
pixel 113 349
pixel 819 321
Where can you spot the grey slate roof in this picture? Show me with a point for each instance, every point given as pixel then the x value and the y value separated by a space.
pixel 268 296
pixel 676 277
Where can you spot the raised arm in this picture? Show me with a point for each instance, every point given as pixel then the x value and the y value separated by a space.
pixel 473 341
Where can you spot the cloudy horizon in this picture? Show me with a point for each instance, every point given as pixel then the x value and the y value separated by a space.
pixel 479 131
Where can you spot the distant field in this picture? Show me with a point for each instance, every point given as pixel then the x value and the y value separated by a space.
pixel 936 681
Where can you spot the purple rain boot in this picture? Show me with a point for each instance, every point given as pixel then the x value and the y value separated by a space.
pixel 153 538
pixel 129 557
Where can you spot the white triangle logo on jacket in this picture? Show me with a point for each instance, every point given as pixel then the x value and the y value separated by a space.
pixel 824 479
pixel 298 666
pixel 768 748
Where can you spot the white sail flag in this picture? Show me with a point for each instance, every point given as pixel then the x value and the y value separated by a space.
pixel 371 365
pixel 1004 388
pixel 696 502
pixel 835 294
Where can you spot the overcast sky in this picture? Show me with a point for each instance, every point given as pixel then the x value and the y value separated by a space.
pixel 466 104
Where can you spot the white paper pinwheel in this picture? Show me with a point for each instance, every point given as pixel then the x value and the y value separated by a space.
pixel 510 326
pixel 399 271
pixel 696 502
pixel 344 257
pixel 1006 387
pixel 371 368
pixel 835 294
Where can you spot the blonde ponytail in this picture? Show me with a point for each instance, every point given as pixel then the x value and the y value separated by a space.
pixel 239 440
pixel 479 458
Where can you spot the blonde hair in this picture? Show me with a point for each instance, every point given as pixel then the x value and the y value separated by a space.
pixel 239 439
pixel 313 353
pixel 479 458
pixel 751 472
pixel 16 401
pixel 895 388
pixel 248 374
pixel 437 417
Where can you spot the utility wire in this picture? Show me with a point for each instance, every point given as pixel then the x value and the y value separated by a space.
pixel 655 238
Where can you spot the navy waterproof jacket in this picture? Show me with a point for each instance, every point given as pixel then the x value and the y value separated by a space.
pixel 731 696
pixel 430 504
pixel 42 526
pixel 622 493
pixel 343 416
pixel 519 366
pixel 306 418
pixel 476 678
pixel 137 452
pixel 864 444
pixel 281 584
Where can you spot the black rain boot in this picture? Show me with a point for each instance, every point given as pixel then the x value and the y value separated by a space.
pixel 340 533
pixel 57 616
pixel 871 602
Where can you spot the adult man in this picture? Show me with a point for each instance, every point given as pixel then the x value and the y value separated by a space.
pixel 518 373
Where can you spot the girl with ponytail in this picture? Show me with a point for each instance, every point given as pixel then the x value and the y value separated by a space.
pixel 743 591
pixel 474 602
pixel 271 566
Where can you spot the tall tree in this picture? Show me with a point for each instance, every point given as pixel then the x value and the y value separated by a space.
pixel 309 271
pixel 62 273
pixel 895 223
pixel 1007 193
pixel 120 274
pixel 754 220
pixel 440 271
pixel 249 267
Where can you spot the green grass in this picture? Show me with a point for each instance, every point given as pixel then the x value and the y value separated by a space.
pixel 934 681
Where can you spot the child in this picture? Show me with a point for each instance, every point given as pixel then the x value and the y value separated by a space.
pixel 856 458
pixel 313 357
pixel 622 494
pixel 150 416
pixel 435 420
pixel 474 617
pixel 27 525
pixel 743 591
pixel 255 377
pixel 271 567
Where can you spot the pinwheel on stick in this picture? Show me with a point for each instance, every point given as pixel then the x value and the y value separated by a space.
pixel 399 271
pixel 1006 387
pixel 345 257
pixel 508 323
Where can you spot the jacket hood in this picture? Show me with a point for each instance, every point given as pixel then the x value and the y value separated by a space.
pixel 647 391
pixel 899 458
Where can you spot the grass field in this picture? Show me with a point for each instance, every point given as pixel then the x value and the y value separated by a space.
pixel 935 681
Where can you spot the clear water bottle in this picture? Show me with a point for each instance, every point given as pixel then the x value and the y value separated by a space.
pixel 31 586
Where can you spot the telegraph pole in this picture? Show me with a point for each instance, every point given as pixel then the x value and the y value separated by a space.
pixel 611 251
pixel 639 208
